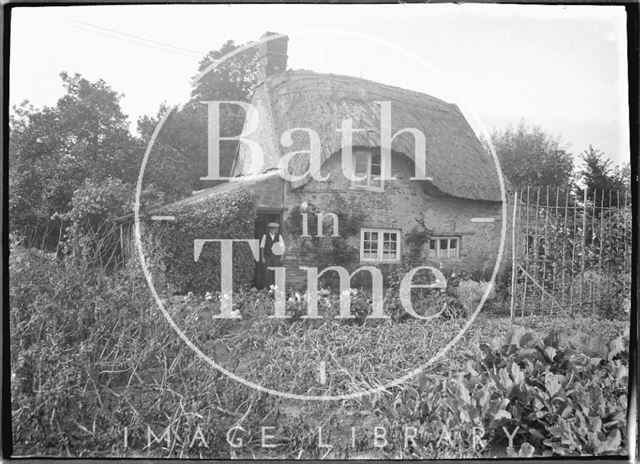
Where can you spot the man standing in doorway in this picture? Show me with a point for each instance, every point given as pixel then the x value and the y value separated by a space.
pixel 271 249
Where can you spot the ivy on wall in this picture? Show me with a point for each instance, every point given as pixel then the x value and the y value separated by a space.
pixel 228 215
pixel 417 237
pixel 327 251
pixel 415 240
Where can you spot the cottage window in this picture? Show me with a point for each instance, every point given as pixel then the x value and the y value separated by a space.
pixel 367 164
pixel 379 245
pixel 444 247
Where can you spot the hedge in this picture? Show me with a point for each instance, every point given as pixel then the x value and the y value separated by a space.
pixel 229 215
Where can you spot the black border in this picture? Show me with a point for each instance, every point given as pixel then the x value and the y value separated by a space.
pixel 632 8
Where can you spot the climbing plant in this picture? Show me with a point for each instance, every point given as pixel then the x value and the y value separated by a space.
pixel 327 250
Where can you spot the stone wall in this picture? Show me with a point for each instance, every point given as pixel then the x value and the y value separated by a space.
pixel 397 207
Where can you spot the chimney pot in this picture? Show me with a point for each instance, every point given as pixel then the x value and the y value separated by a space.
pixel 272 56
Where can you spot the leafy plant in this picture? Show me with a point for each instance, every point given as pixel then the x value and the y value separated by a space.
pixel 416 238
pixel 229 215
pixel 563 401
pixel 528 395
pixel 469 294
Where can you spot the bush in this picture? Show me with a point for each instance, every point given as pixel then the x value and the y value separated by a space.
pixel 608 295
pixel 90 231
pixel 469 294
pixel 425 303
pixel 228 215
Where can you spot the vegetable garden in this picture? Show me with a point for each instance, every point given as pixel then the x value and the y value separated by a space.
pixel 96 371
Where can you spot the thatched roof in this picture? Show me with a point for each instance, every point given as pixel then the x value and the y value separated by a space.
pixel 456 160
pixel 255 184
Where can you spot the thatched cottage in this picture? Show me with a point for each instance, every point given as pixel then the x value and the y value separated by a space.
pixel 457 213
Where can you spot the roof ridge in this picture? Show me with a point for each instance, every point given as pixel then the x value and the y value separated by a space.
pixel 283 77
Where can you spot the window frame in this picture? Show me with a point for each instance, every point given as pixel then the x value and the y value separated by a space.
pixel 380 245
pixel 434 253
pixel 362 186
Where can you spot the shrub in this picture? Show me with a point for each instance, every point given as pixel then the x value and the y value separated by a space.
pixel 228 215
pixel 425 303
pixel 469 294
pixel 605 290
pixel 89 228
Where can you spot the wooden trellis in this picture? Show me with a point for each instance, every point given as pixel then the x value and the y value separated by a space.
pixel 571 250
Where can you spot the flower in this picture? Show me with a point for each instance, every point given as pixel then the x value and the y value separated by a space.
pixel 208 296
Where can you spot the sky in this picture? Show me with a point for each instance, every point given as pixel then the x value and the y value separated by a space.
pixel 563 68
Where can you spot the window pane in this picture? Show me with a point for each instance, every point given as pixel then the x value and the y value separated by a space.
pixel 389 252
pixel 389 245
pixel 370 245
pixel 444 244
pixel 361 158
pixel 361 169
pixel 370 250
pixel 432 244
pixel 453 248
pixel 361 166
pixel 375 181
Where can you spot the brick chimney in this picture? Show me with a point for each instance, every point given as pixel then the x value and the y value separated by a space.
pixel 272 56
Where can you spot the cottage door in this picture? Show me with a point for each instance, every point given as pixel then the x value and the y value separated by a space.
pixel 262 220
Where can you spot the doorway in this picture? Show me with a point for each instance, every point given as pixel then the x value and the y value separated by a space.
pixel 263 218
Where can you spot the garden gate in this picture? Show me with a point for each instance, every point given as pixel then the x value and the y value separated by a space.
pixel 571 251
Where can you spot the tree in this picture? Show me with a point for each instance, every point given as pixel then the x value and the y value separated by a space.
pixel 179 157
pixel 531 157
pixel 82 145
pixel 600 176
pixel 53 150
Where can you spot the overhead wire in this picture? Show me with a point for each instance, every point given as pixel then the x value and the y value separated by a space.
pixel 150 43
